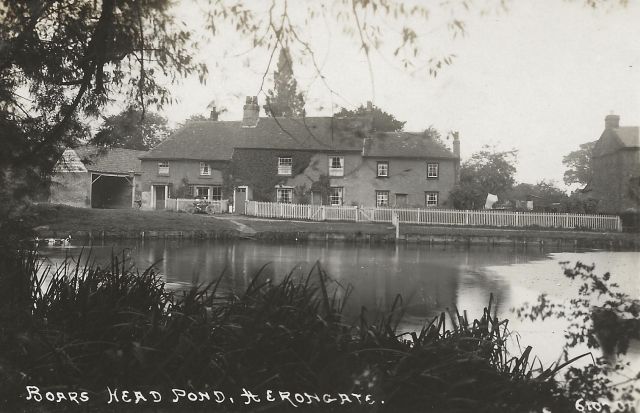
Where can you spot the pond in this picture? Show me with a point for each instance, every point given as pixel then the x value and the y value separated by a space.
pixel 429 278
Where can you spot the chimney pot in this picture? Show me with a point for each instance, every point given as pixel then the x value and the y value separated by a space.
pixel 612 122
pixel 214 114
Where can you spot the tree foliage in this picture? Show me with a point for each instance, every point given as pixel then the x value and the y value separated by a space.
pixel 382 121
pixel 61 61
pixel 486 172
pixel 284 99
pixel 578 163
pixel 131 129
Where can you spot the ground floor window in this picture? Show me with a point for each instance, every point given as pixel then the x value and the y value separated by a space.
pixel 212 193
pixel 284 195
pixel 335 196
pixel 431 199
pixel 382 198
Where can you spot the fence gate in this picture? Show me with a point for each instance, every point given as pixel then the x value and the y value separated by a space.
pixel 365 214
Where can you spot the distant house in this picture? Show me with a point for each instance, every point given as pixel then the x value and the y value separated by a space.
pixel 320 160
pixel 98 178
pixel 616 167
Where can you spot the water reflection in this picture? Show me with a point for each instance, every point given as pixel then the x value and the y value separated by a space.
pixel 430 279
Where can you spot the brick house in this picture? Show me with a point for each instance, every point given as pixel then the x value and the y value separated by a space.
pixel 320 160
pixel 616 167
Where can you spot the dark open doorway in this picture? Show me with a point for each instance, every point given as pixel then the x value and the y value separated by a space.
pixel 109 191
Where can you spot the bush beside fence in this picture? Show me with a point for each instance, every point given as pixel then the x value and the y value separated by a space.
pixel 483 218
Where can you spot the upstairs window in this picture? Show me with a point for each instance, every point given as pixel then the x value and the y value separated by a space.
pixel 432 170
pixel 205 169
pixel 163 168
pixel 383 168
pixel 336 166
pixel 382 198
pixel 431 199
pixel 285 165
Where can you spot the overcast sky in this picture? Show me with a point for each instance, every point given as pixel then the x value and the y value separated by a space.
pixel 539 78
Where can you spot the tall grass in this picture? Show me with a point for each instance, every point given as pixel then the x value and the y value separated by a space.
pixel 89 327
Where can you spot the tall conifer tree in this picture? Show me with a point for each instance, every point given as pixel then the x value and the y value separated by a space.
pixel 284 99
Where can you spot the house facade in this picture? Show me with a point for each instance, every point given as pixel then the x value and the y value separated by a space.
pixel 318 160
pixel 91 177
pixel 616 167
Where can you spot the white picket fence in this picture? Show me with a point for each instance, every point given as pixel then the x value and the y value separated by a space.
pixel 488 218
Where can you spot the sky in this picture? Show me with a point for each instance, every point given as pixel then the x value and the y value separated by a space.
pixel 539 77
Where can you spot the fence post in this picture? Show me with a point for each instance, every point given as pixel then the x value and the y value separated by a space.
pixel 324 215
pixel 357 213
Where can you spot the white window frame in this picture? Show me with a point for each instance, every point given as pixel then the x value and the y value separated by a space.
pixel 382 199
pixel 433 170
pixel 384 171
pixel 336 199
pixel 281 198
pixel 285 165
pixel 431 199
pixel 205 169
pixel 163 167
pixel 213 195
pixel 199 187
pixel 333 170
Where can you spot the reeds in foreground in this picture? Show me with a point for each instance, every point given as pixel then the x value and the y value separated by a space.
pixel 86 327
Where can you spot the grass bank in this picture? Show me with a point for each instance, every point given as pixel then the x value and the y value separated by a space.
pixel 60 220
pixel 276 347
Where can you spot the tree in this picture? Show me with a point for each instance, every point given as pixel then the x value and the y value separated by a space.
pixel 578 163
pixel 132 130
pixel 382 121
pixel 61 61
pixel 486 172
pixel 284 99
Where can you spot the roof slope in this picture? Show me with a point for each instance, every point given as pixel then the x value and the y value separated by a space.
pixel 405 145
pixel 112 160
pixel 69 162
pixel 215 140
pixel 612 140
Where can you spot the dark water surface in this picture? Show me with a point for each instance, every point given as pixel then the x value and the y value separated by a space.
pixel 429 278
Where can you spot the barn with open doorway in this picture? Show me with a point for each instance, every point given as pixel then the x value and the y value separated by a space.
pixel 97 178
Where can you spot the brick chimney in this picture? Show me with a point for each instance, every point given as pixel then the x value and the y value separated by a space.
pixel 213 115
pixel 456 153
pixel 611 122
pixel 251 112
pixel 456 143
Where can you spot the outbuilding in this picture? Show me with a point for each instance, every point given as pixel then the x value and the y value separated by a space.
pixel 94 177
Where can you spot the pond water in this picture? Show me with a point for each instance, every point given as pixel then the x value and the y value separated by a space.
pixel 429 278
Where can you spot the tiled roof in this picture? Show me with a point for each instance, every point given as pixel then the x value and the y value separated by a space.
pixel 405 145
pixel 215 140
pixel 113 160
pixel 612 140
pixel 629 136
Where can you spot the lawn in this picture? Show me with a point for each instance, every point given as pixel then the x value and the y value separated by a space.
pixel 65 218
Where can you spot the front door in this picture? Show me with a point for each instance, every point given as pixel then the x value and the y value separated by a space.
pixel 240 198
pixel 160 196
